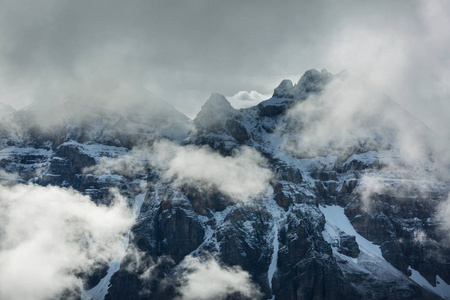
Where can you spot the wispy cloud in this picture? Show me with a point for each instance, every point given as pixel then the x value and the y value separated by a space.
pixel 352 113
pixel 240 176
pixel 444 215
pixel 207 279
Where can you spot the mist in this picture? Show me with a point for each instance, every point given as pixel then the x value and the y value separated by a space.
pixel 241 176
pixel 51 235
pixel 207 279
pixel 131 74
pixel 59 50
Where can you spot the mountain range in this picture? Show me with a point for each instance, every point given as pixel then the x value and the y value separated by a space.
pixel 327 190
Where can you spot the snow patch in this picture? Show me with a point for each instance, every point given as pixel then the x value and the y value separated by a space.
pixel 274 261
pixel 336 221
pixel 277 216
pixel 99 291
pixel 442 288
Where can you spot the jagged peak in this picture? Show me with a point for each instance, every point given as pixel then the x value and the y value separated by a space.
pixel 217 100
pixel 215 107
pixel 214 113
pixel 311 81
pixel 284 89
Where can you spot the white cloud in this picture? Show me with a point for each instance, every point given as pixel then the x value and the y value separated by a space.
pixel 6 176
pixel 240 176
pixel 49 234
pixel 243 175
pixel 444 214
pixel 352 113
pixel 244 99
pixel 409 63
pixel 206 279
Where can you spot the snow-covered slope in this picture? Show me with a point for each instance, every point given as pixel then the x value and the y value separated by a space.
pixel 122 125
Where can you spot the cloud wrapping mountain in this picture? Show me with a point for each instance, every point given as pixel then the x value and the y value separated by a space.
pixel 50 236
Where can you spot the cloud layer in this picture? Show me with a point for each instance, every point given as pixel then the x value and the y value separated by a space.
pixel 49 235
pixel 185 51
pixel 207 279
pixel 352 113
pixel 444 215
pixel 241 176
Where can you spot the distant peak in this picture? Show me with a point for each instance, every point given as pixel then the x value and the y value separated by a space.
pixel 312 81
pixel 217 103
pixel 217 99
pixel 214 113
pixel 284 90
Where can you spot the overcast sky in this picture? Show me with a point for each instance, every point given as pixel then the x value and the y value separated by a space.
pixel 183 51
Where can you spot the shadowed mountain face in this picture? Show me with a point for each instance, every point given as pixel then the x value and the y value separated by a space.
pixel 330 201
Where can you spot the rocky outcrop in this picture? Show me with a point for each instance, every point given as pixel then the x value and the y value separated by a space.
pixel 312 81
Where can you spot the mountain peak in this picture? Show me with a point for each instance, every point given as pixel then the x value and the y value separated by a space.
pixel 216 110
pixel 218 101
pixel 312 81
pixel 284 90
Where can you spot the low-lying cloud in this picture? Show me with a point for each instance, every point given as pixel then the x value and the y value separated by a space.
pixel 207 279
pixel 404 182
pixel 242 175
pixel 444 215
pixel 50 235
pixel 351 113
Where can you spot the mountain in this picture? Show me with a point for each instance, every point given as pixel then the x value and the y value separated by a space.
pixel 348 213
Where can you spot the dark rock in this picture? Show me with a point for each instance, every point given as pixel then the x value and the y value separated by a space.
pixel 271 110
pixel 283 200
pixel 178 231
pixel 303 273
pixel 205 201
pixel 348 245
pixel 237 130
pixel 69 159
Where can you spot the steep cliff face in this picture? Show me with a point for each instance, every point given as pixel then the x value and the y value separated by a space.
pixel 331 224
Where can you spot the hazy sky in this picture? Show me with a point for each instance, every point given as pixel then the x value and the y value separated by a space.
pixel 183 51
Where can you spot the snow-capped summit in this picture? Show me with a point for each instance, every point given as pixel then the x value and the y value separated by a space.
pixel 219 101
pixel 284 90
pixel 313 81
pixel 214 113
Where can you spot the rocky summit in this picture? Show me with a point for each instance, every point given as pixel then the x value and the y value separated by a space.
pixel 259 191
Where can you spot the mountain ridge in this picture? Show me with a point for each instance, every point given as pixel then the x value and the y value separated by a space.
pixel 337 220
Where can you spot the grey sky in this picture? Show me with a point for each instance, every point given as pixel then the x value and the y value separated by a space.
pixel 185 50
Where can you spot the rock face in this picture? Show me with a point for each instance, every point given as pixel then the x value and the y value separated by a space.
pixel 218 117
pixel 286 239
